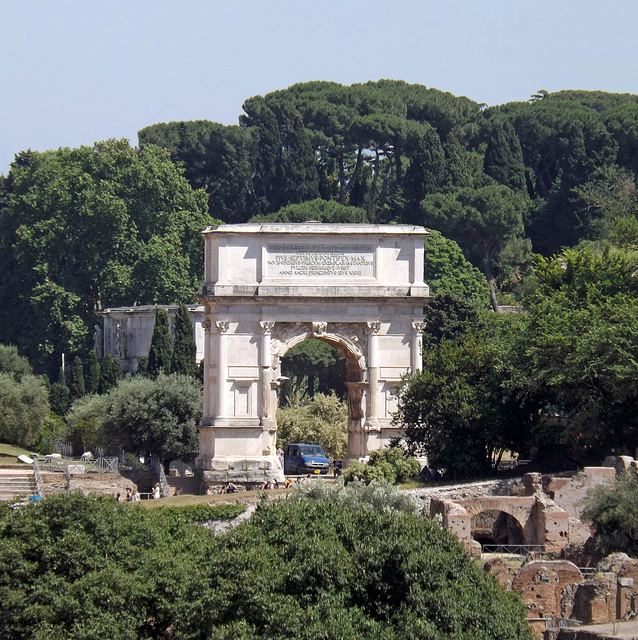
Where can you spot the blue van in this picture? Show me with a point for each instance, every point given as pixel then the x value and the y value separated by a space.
pixel 301 459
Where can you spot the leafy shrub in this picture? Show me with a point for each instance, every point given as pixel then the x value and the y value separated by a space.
pixel 379 495
pixel 201 512
pixel 391 465
pixel 614 514
pixel 24 408
pixel 321 420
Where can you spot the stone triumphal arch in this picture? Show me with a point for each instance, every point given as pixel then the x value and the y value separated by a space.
pixel 268 287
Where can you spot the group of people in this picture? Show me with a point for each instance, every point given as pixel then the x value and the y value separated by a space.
pixel 229 488
pixel 132 495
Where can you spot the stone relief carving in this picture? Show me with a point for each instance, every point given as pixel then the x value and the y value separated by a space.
pixel 319 328
pixel 353 333
pixel 350 334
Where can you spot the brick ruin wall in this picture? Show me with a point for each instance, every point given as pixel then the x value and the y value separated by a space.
pixel 548 510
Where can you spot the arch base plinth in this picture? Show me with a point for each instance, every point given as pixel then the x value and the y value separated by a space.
pixel 248 471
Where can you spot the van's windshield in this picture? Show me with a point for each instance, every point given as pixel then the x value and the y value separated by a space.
pixel 311 450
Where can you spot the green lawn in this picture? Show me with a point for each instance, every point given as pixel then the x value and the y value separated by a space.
pixel 9 453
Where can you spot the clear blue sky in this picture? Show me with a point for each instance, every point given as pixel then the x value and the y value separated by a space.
pixel 78 71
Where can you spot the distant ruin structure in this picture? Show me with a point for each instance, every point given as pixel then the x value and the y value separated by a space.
pixel 127 331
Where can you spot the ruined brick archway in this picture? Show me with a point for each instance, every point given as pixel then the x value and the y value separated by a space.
pixel 268 287
pixel 521 510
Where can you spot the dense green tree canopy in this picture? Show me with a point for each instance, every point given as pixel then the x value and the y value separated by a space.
pixel 130 226
pixel 156 417
pixel 456 411
pixel 578 347
pixel 483 221
pixel 385 146
pixel 24 408
pixel 448 272
pixel 315 210
pixel 12 362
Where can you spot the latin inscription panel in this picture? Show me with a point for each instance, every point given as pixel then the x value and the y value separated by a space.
pixel 320 260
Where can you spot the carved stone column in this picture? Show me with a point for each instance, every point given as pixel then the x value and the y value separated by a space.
pixel 356 438
pixel 222 369
pixel 266 408
pixel 206 433
pixel 208 345
pixel 416 357
pixel 372 409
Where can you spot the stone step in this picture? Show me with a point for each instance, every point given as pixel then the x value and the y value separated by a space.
pixel 12 486
pixel 188 484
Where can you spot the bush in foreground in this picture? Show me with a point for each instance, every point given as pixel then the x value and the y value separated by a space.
pixel 75 567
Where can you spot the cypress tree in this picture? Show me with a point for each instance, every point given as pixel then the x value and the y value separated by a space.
pixel 299 176
pixel 77 388
pixel 458 169
pixel 116 371
pixel 159 355
pixel 107 374
pixel 504 156
pixel 92 380
pixel 269 160
pixel 184 359
pixel 59 395
pixel 142 366
pixel 426 173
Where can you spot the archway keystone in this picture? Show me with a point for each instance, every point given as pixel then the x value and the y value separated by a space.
pixel 268 287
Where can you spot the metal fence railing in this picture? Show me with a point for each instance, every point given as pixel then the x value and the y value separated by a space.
pixel 517 549
pixel 56 462
pixel 555 622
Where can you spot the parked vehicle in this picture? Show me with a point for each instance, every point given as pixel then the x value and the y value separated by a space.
pixel 301 459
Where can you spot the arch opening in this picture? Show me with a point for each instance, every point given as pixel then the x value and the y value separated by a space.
pixel 349 358
pixel 312 366
pixel 496 527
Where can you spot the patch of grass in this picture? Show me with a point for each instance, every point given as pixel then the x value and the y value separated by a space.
pixel 414 484
pixel 9 453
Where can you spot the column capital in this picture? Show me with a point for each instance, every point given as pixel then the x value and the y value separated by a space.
pixel 374 327
pixel 267 326
pixel 419 327
pixel 222 325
